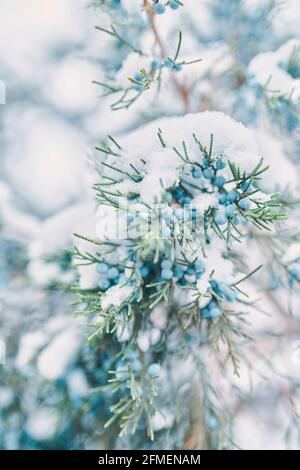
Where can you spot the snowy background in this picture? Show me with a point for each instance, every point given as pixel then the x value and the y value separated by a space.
pixel 48 59
pixel 49 56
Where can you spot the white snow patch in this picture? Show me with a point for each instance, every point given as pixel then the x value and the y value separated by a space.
pixel 270 68
pixel 41 424
pixel 116 296
pixel 70 87
pixel 77 382
pixel 48 176
pixel 61 352
pixel 29 346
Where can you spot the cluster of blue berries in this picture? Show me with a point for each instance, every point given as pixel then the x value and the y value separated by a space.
pixel 160 8
pixel 132 356
pixel 180 195
pixel 167 270
pixel 209 171
pixel 132 360
pixel 132 363
pixel 178 214
pixel 182 273
pixel 156 64
pixel 138 78
pixel 211 311
pixel 221 289
pixel 145 269
pixel 172 65
pixel 168 63
pixel 229 201
pixel 109 275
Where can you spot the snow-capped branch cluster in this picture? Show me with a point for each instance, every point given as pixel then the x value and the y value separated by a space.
pixel 185 265
pixel 180 201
